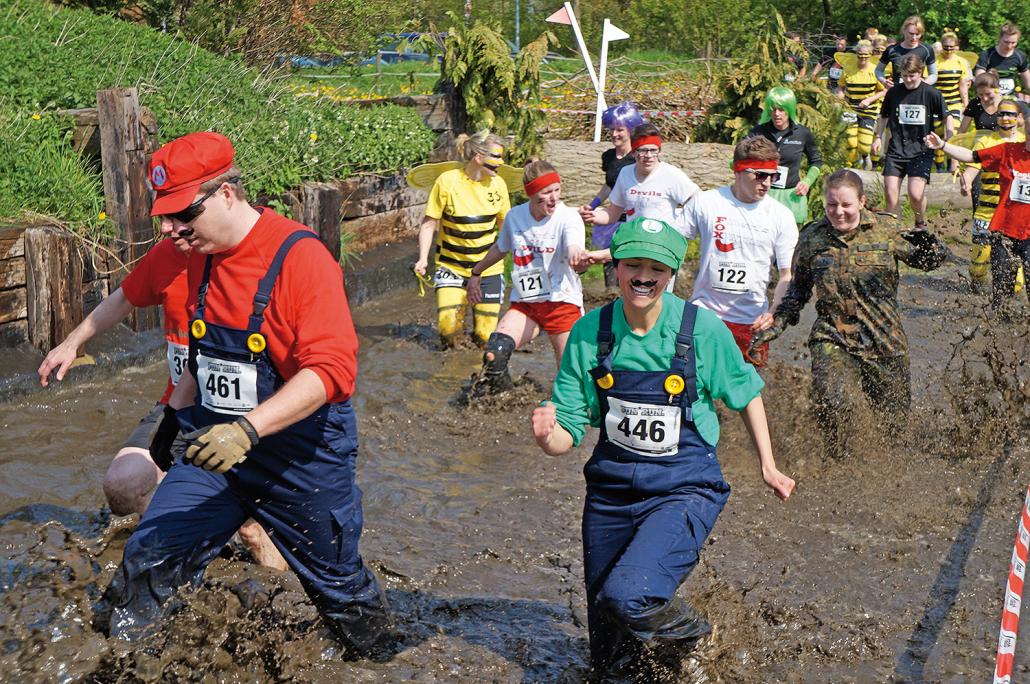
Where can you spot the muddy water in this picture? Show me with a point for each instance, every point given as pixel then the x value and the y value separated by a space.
pixel 888 567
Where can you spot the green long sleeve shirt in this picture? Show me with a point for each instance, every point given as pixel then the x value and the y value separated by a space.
pixel 722 372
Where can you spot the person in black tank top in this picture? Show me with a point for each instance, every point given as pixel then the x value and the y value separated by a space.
pixel 912 33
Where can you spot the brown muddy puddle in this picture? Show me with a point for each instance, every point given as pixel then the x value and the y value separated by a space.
pixel 888 567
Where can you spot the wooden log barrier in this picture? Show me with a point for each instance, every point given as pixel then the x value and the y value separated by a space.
pixel 53 285
pixel 124 145
pixel 320 211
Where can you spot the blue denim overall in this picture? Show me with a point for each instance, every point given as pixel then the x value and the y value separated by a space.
pixel 652 497
pixel 298 484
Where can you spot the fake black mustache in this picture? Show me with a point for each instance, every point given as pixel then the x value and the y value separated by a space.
pixel 643 283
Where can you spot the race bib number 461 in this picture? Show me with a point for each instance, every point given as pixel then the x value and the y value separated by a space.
pixel 646 429
pixel 227 386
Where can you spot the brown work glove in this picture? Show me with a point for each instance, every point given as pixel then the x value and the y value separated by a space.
pixel 219 447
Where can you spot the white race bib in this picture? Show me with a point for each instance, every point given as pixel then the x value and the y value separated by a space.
pixel 177 356
pixel 780 182
pixel 727 275
pixel 645 429
pixel 227 386
pixel 849 117
pixel 1007 86
pixel 445 277
pixel 912 115
pixel 531 283
pixel 1020 190
pixel 836 73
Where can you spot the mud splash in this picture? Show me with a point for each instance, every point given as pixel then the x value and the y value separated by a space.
pixel 887 567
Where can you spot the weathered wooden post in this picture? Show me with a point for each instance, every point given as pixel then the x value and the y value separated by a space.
pixel 53 285
pixel 123 148
pixel 321 212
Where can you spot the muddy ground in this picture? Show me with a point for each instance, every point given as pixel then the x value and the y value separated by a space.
pixel 890 566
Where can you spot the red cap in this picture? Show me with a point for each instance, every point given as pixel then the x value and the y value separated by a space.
pixel 183 165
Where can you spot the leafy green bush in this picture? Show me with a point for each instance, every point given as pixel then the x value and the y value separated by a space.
pixel 744 85
pixel 38 174
pixel 500 92
pixel 58 58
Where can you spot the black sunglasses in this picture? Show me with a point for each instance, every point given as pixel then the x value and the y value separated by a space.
pixel 194 210
pixel 763 175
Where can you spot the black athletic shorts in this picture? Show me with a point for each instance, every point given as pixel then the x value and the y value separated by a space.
pixel 143 435
pixel 916 167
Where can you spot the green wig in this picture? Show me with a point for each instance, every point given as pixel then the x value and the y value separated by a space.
pixel 780 97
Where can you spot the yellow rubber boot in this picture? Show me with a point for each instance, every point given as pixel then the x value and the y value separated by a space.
pixel 484 321
pixel 1020 282
pixel 450 314
pixel 980 267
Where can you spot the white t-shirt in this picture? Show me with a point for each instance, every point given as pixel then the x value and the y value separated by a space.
pixel 540 254
pixel 740 243
pixel 657 197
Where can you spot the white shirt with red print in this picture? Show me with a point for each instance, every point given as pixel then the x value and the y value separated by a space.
pixel 740 243
pixel 540 254
pixel 658 196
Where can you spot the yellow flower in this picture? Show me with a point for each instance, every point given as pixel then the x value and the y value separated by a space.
pixel 313 136
pixel 102 216
pixel 36 117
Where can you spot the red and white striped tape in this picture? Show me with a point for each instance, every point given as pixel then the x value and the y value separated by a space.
pixel 1013 599
pixel 676 113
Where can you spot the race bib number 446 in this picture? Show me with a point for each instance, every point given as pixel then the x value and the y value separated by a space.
pixel 227 386
pixel 646 429
pixel 912 115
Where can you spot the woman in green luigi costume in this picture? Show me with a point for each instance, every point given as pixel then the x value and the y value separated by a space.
pixel 645 369
pixel 779 123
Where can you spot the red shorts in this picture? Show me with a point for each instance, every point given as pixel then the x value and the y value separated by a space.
pixel 552 317
pixel 742 336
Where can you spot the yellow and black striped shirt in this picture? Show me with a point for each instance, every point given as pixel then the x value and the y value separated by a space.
pixel 950 72
pixel 470 214
pixel 860 84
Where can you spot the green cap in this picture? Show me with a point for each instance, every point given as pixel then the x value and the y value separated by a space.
pixel 651 239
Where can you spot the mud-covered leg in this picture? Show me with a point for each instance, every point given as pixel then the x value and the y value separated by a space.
pixel 487 313
pixel 835 377
pixel 312 510
pixel 450 314
pixel 192 516
pixel 1004 266
pixel 886 382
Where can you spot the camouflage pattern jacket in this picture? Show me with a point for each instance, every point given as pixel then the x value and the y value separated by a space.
pixel 855 278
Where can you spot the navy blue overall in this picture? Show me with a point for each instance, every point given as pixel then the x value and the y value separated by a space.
pixel 649 506
pixel 298 484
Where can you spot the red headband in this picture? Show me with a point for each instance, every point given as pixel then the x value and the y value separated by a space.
pixel 755 165
pixel 537 184
pixel 646 140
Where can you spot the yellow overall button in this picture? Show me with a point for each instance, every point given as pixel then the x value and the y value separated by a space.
pixel 198 328
pixel 606 382
pixel 256 343
pixel 674 384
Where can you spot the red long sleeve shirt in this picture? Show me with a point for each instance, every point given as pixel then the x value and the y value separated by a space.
pixel 159 279
pixel 307 323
